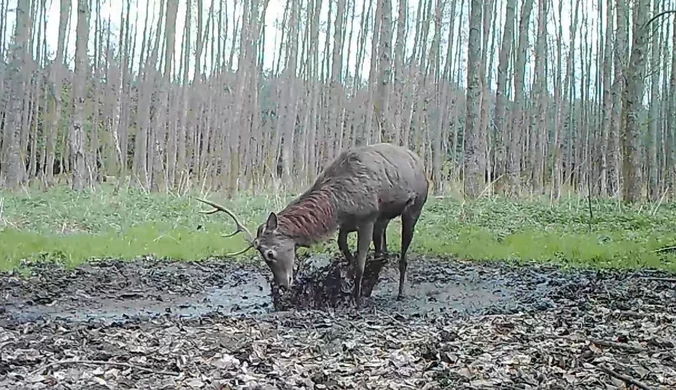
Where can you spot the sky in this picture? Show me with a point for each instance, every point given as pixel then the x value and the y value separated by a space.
pixel 110 9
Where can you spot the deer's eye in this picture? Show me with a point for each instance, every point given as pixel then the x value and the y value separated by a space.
pixel 270 255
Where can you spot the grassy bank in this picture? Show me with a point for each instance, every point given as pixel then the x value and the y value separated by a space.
pixel 69 227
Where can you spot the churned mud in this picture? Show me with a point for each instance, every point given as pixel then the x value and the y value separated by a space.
pixel 116 290
pixel 214 324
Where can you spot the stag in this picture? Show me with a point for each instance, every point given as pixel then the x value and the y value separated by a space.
pixel 361 191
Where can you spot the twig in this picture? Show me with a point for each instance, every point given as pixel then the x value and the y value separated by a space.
pixel 659 203
pixel 627 379
pixel 613 344
pixel 659 15
pixel 657 279
pixel 669 248
pixel 589 196
pixel 102 363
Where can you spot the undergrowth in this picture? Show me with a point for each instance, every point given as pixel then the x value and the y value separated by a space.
pixel 69 227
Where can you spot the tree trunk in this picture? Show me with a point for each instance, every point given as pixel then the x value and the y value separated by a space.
pixel 632 102
pixel 77 138
pixel 472 164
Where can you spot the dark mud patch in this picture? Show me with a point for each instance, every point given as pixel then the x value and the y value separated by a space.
pixel 116 291
pixel 325 282
pixel 119 290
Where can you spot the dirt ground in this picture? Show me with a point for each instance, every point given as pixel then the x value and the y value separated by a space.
pixel 154 324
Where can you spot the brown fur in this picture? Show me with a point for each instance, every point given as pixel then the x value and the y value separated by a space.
pixel 361 190
pixel 310 218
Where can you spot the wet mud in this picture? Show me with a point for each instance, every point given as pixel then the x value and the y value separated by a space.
pixel 114 290
pixel 121 290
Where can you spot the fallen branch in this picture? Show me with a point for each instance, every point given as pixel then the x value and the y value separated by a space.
pixel 606 343
pixel 658 279
pixel 633 314
pixel 670 248
pixel 627 379
pixel 614 344
pixel 102 363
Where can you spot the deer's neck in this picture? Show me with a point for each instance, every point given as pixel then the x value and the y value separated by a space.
pixel 310 218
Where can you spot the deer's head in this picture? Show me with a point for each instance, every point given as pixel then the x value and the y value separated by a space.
pixel 277 250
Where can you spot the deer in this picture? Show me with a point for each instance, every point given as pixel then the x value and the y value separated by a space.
pixel 361 190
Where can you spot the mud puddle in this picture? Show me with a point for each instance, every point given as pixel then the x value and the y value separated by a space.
pixel 248 298
pixel 116 290
pixel 432 286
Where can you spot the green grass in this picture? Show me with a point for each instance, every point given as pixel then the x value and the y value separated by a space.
pixel 74 227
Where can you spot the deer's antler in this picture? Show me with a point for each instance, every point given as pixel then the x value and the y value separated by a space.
pixel 240 227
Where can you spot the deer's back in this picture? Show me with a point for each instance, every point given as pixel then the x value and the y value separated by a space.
pixel 374 178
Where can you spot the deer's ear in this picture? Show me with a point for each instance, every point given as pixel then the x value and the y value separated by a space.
pixel 271 223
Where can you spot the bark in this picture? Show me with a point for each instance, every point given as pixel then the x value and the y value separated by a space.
pixel 385 125
pixel 77 137
pixel 654 117
pixel 606 123
pixel 632 97
pixel 538 125
pixel 514 145
pixel 14 170
pixel 621 54
pixel 671 128
pixel 472 164
pixel 503 135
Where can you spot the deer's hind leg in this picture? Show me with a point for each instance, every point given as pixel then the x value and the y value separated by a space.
pixel 365 235
pixel 409 218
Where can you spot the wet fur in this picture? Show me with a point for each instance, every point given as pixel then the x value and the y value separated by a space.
pixel 310 218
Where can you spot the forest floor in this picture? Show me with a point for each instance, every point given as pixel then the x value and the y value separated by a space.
pixel 155 324
pixel 92 301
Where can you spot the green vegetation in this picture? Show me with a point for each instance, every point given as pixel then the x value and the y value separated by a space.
pixel 72 227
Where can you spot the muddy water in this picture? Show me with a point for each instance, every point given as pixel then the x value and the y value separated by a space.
pixel 117 290
pixel 247 298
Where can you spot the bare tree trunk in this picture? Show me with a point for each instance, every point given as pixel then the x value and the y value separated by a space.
pixel 514 145
pixel 14 170
pixel 184 105
pixel 652 164
pixel 385 124
pixel 371 135
pixel 473 173
pixel 632 101
pixel 441 97
pixel 538 125
pixel 606 123
pixel 621 53
pixel 671 128
pixel 503 135
pixel 77 137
